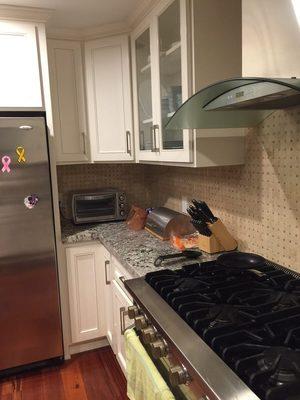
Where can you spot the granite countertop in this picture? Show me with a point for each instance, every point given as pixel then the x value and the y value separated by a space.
pixel 136 251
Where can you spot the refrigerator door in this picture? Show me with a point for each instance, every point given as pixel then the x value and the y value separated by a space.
pixel 30 323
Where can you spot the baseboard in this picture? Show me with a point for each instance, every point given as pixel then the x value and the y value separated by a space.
pixel 86 346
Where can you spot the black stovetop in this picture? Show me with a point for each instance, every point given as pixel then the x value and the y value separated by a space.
pixel 251 319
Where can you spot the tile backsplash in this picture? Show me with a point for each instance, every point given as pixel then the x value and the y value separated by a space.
pixel 127 177
pixel 259 201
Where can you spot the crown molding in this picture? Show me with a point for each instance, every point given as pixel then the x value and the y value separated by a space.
pixel 32 14
pixel 117 28
pixel 141 11
pixel 90 33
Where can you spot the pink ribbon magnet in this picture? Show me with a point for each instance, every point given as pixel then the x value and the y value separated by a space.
pixel 6 160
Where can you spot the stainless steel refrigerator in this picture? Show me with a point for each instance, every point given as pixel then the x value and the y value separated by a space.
pixel 30 322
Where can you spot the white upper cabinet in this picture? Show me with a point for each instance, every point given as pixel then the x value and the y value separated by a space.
pixel 109 99
pixel 20 80
pixel 161 82
pixel 181 47
pixel 67 92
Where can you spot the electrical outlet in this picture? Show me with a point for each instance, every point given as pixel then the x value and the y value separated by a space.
pixel 185 202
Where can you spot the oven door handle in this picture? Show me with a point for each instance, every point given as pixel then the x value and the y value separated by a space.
pixel 123 314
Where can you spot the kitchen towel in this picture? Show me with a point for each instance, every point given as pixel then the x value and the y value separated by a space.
pixel 144 382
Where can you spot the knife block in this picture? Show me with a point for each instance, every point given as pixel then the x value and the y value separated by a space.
pixel 220 240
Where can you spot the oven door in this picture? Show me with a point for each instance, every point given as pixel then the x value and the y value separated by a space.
pixel 192 390
pixel 95 208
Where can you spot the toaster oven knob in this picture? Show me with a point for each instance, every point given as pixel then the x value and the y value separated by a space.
pixel 140 322
pixel 149 334
pixel 159 348
pixel 122 213
pixel 178 375
pixel 121 198
pixel 133 311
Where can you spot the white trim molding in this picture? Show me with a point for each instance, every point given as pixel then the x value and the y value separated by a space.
pixel 30 14
pixel 102 31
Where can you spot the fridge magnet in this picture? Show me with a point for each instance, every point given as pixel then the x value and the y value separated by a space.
pixel 21 153
pixel 31 201
pixel 6 160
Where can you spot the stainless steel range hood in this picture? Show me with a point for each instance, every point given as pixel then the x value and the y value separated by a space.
pixel 236 103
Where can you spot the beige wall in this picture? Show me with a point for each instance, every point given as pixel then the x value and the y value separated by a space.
pixel 260 201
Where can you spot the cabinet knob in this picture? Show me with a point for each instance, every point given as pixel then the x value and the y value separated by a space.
pixel 178 375
pixel 159 348
pixel 133 311
pixel 149 334
pixel 140 322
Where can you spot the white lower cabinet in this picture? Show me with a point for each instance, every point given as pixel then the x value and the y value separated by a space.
pixel 106 259
pixel 98 300
pixel 86 280
pixel 120 304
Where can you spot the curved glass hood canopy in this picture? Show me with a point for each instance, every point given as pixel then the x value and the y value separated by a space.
pixel 236 103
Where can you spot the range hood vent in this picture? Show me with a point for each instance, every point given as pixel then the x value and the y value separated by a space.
pixel 236 103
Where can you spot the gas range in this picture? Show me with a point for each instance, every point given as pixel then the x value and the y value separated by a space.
pixel 229 333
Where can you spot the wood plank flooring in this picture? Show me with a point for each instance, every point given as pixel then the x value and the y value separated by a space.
pixel 93 375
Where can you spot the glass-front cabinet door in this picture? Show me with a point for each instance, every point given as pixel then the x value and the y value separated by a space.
pixel 160 62
pixel 172 43
pixel 144 90
pixel 143 66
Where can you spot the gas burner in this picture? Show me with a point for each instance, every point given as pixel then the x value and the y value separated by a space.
pixel 285 300
pixel 282 362
pixel 224 314
pixel 250 319
pixel 187 285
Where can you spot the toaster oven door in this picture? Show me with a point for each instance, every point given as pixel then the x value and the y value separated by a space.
pixel 95 208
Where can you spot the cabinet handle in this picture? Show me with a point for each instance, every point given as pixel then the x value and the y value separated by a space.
pixel 106 263
pixel 154 149
pixel 123 312
pixel 83 140
pixel 128 142
pixel 142 142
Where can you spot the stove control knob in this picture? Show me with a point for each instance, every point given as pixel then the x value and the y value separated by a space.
pixel 178 375
pixel 149 334
pixel 133 311
pixel 140 322
pixel 159 348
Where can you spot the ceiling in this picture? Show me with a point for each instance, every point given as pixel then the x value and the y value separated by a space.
pixel 80 14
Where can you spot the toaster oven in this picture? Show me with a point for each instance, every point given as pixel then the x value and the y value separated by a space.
pixel 99 206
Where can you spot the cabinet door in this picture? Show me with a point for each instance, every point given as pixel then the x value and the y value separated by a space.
pixel 19 67
pixel 106 259
pixel 120 304
pixel 86 292
pixel 67 90
pixel 171 61
pixel 109 99
pixel 147 148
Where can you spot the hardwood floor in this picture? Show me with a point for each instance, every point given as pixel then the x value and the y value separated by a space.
pixel 94 375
